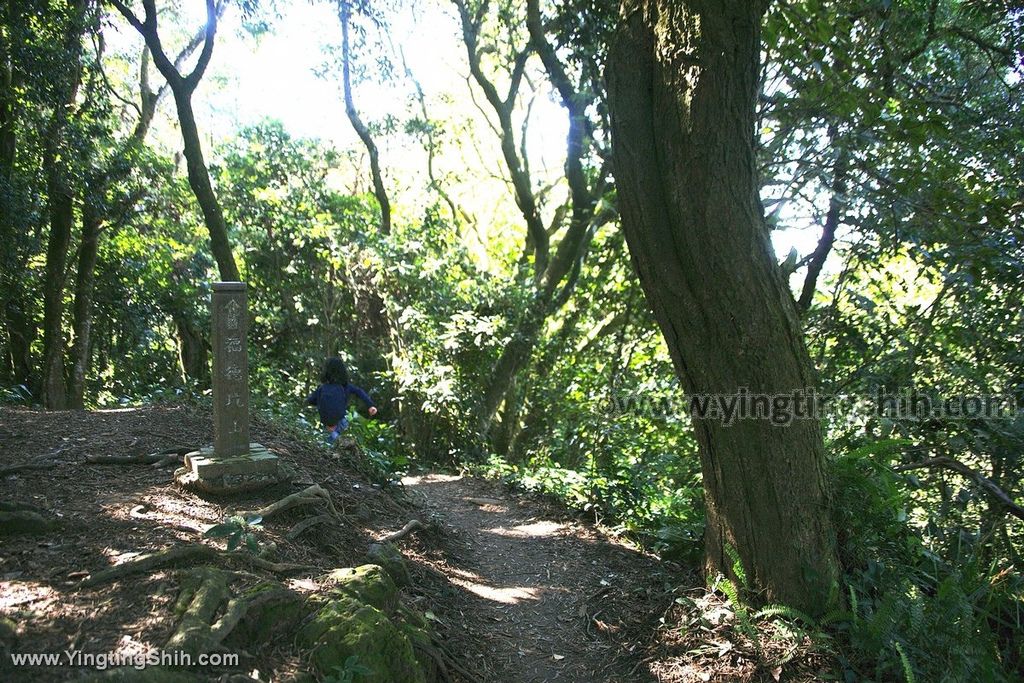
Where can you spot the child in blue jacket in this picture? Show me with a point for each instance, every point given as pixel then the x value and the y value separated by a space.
pixel 331 398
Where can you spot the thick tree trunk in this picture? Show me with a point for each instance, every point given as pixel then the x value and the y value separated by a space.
pixel 682 86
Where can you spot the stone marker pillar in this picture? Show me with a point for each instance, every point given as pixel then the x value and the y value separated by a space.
pixel 229 311
pixel 232 464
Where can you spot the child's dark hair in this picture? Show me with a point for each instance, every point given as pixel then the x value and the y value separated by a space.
pixel 334 372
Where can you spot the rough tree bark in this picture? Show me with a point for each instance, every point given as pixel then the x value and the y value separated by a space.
pixel 345 14
pixel 182 88
pixel 682 82
pixel 19 327
pixel 8 145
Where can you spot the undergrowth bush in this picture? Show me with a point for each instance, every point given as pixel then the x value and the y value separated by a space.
pixel 641 503
pixel 912 613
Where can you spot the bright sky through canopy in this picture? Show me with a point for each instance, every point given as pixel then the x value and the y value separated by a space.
pixel 275 76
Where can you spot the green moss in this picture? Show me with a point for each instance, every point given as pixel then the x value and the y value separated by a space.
pixel 272 609
pixel 369 584
pixel 346 628
pixel 414 627
pixel 8 630
pixel 390 558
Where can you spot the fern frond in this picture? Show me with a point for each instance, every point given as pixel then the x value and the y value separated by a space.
pixel 908 671
pixel 737 565
pixel 785 611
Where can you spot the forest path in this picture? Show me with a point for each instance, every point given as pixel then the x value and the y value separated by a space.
pixel 523 594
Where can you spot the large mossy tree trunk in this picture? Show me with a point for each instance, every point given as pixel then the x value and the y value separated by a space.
pixel 683 83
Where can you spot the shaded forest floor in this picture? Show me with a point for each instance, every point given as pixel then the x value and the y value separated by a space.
pixel 517 589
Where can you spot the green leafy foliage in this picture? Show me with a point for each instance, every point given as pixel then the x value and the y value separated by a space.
pixel 348 672
pixel 237 532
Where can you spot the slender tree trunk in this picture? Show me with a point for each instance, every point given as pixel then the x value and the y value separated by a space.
pixel 199 180
pixel 828 233
pixel 182 87
pixel 21 333
pixel 61 220
pixel 85 278
pixel 514 357
pixel 362 131
pixel 682 90
pixel 60 205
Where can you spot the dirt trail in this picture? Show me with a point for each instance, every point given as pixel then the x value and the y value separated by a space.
pixel 519 591
pixel 531 596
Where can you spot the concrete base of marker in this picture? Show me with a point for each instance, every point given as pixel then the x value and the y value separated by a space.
pixel 205 472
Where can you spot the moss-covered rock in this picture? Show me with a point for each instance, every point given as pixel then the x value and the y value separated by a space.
pixel 347 634
pixel 8 630
pixel 414 626
pixel 272 610
pixel 369 584
pixel 390 558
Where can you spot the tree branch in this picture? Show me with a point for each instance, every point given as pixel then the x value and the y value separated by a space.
pixel 192 80
pixel 828 233
pixel 521 182
pixel 960 468
pixel 379 191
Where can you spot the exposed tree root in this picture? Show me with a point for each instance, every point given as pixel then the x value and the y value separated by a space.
pixel 44 462
pixel 267 565
pixel 19 518
pixel 150 561
pixel 314 495
pixel 410 526
pixel 14 469
pixel 202 592
pixel 484 501
pixel 307 524
pixel 193 634
pixel 444 659
pixel 187 553
pixel 233 613
pixel 170 456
